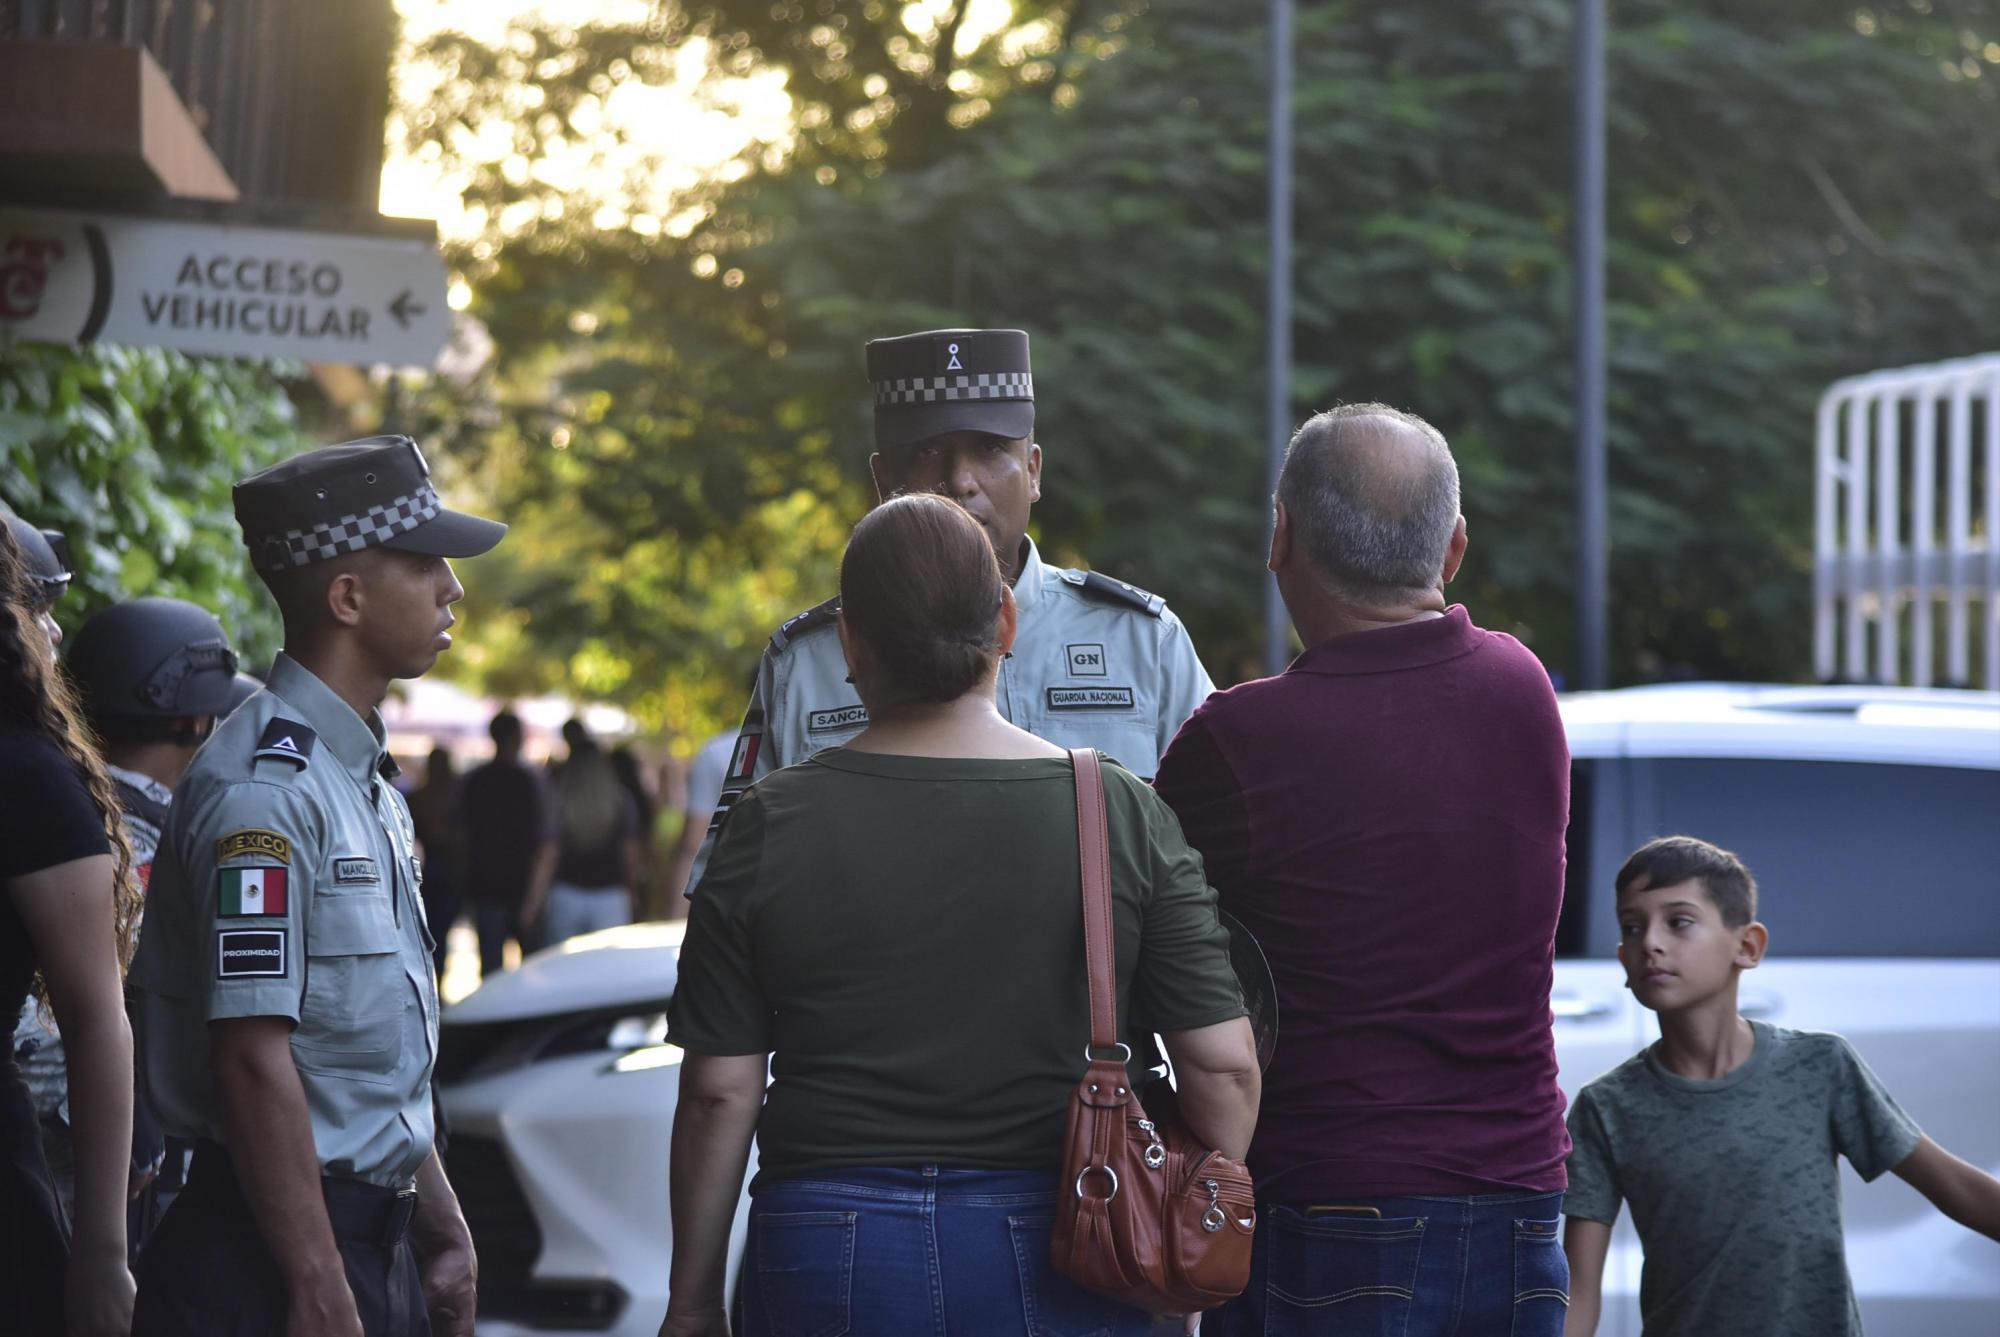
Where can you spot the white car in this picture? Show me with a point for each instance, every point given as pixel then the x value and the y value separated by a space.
pixel 1871 817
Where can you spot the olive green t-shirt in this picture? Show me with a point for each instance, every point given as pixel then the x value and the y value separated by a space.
pixel 1733 1182
pixel 905 936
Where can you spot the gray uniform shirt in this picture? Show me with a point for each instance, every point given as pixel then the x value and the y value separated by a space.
pixel 1096 663
pixel 1733 1183
pixel 286 886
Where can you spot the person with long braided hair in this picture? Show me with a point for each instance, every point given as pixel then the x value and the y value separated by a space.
pixel 66 919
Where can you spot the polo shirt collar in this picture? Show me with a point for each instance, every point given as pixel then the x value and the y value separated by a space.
pixel 1403 646
pixel 145 784
pixel 357 744
pixel 1028 587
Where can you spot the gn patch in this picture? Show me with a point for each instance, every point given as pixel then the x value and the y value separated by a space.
pixel 1091 698
pixel 831 721
pixel 242 953
pixel 254 840
pixel 1086 661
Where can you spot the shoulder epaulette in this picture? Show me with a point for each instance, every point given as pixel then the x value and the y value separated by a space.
pixel 1103 587
pixel 821 615
pixel 286 740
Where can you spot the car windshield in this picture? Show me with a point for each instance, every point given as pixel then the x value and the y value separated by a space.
pixel 1852 859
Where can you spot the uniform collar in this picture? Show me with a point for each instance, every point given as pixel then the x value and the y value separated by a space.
pixel 145 784
pixel 355 742
pixel 1028 587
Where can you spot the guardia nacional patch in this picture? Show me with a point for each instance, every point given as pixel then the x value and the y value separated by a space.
pixel 254 840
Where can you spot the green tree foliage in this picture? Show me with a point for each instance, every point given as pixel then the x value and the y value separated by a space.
pixel 131 453
pixel 1798 191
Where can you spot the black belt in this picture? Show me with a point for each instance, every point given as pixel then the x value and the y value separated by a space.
pixel 361 1212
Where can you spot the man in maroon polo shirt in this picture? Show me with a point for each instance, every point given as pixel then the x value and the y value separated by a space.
pixel 1387 817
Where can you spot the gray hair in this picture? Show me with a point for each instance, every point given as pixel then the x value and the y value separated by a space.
pixel 1372 492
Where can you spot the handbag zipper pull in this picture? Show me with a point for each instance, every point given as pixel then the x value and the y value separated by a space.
pixel 1156 1153
pixel 1212 1219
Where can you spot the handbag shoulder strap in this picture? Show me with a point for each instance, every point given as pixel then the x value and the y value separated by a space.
pixel 1093 848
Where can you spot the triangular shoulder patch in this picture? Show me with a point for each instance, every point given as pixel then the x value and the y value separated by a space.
pixel 286 739
pixel 1104 588
pixel 821 615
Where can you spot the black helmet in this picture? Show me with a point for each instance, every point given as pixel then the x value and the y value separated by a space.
pixel 156 658
pixel 241 688
pixel 44 557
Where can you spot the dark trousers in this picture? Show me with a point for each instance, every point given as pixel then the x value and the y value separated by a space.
pixel 495 924
pixel 206 1271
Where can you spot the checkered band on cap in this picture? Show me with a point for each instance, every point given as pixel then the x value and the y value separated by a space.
pixel 373 527
pixel 944 389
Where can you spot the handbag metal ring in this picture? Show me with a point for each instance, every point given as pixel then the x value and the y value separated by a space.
pixel 1125 1053
pixel 1080 1175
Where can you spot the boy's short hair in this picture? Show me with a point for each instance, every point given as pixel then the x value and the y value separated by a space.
pixel 1675 859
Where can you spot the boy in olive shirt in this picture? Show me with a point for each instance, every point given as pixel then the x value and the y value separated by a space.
pixel 1723 1135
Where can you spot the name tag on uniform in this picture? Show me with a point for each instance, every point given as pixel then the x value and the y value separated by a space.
pixel 1091 698
pixel 244 952
pixel 355 871
pixel 832 721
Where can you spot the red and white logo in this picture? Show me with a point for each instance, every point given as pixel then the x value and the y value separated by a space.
pixel 24 274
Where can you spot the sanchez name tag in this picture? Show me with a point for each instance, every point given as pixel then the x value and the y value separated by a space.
pixel 832 721
pixel 1090 698
pixel 249 952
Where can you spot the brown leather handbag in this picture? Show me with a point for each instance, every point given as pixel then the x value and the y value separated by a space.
pixel 1153 1219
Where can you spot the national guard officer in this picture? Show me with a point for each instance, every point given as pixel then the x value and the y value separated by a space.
pixel 45 559
pixel 287 1009
pixel 153 675
pixel 1096 662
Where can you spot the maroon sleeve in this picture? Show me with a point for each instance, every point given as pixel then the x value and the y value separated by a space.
pixel 1200 785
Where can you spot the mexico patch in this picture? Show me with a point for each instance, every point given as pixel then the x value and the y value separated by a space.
pixel 254 840
pixel 250 952
pixel 831 721
pixel 244 893
pixel 1090 698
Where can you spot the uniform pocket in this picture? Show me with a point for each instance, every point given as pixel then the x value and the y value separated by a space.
pixel 351 1024
pixel 1541 1279
pixel 805 1272
pixel 1051 1304
pixel 1354 1275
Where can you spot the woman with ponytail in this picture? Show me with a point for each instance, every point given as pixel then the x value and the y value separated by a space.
pixel 896 924
pixel 67 907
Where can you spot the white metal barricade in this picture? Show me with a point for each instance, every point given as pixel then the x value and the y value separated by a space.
pixel 1906 502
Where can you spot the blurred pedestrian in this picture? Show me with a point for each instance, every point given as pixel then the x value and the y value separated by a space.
pixel 897 924
pixel 286 1008
pixel 597 844
pixel 1387 818
pixel 67 904
pixel 435 811
pixel 646 874
pixel 508 826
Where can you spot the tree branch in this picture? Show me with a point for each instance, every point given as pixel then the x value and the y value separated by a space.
pixel 1830 191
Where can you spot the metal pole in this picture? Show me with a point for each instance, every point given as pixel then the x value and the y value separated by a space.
pixel 1591 540
pixel 1278 368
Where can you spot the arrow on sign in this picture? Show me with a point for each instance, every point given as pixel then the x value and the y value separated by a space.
pixel 403 308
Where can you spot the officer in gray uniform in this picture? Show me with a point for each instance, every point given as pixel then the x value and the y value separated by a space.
pixel 286 1010
pixel 153 675
pixel 1096 663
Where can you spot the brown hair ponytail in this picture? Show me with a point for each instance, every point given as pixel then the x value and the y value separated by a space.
pixel 919 583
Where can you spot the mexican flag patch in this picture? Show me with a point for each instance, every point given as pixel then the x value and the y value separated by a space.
pixel 250 891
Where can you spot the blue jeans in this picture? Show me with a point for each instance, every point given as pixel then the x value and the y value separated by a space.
pixel 1484 1266
pixel 927 1252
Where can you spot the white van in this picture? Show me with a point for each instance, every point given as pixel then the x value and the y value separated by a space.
pixel 1870 816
